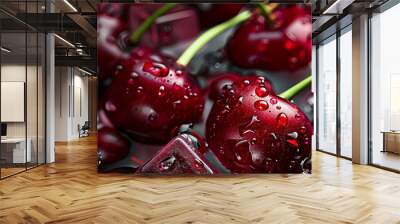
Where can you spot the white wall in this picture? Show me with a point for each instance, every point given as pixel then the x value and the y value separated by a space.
pixel 12 73
pixel 71 94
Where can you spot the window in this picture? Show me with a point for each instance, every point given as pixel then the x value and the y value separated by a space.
pixel 385 89
pixel 327 96
pixel 346 92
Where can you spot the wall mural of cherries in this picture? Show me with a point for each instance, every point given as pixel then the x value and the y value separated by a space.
pixel 204 88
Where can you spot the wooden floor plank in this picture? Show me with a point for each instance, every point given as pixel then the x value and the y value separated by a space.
pixel 71 191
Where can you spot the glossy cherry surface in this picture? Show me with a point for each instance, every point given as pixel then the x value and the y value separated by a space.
pixel 112 146
pixel 178 25
pixel 283 43
pixel 253 130
pixel 151 97
pixel 213 14
pixel 224 81
pixel 110 25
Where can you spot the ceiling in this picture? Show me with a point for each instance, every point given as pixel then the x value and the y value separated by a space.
pixel 76 22
pixel 330 15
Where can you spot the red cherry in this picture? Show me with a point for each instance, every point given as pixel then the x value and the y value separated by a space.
pixel 261 134
pixel 112 146
pixel 281 44
pixel 220 81
pixel 117 10
pixel 180 156
pixel 223 81
pixel 151 97
pixel 109 31
pixel 180 24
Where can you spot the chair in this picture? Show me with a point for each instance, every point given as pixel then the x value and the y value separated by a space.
pixel 84 129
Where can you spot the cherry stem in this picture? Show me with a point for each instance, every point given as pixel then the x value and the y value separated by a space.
pixel 210 34
pixel 137 35
pixel 296 89
pixel 266 10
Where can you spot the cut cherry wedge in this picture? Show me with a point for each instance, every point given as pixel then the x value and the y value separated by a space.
pixel 180 156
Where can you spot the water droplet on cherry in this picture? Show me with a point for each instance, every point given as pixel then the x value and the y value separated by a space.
pixel 261 91
pixel 293 135
pixel 242 153
pixel 282 120
pixel 153 116
pixel 118 69
pixel 161 91
pixel 156 69
pixel 167 164
pixel 293 143
pixel 131 82
pixel 110 107
pixel 246 82
pixel 241 99
pixel 198 163
pixel 139 89
pixel 273 100
pixel 261 105
pixel 178 72
pixel 289 45
pixel 134 75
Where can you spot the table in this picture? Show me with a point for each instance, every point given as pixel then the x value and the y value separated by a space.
pixel 16 147
pixel 391 141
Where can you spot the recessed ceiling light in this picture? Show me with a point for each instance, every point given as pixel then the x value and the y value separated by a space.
pixel 5 50
pixel 84 71
pixel 337 7
pixel 70 5
pixel 64 40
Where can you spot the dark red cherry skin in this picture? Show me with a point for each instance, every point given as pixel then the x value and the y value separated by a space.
pixel 213 14
pixel 219 81
pixel 112 146
pixel 178 25
pixel 151 97
pixel 180 156
pixel 223 81
pixel 118 10
pixel 108 51
pixel 281 44
pixel 255 131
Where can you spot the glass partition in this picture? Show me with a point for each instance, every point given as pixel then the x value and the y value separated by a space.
pixel 385 88
pixel 32 98
pixel 22 89
pixel 327 96
pixel 14 153
pixel 346 92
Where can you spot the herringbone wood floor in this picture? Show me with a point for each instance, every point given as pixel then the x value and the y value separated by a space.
pixel 71 191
